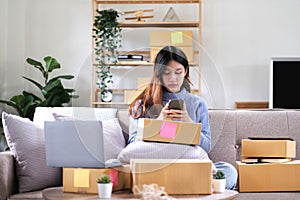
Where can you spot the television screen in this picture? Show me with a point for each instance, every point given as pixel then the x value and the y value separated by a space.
pixel 284 81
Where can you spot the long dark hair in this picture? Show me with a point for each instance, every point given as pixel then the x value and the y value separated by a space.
pixel 152 95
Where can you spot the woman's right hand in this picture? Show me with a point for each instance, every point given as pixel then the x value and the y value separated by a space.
pixel 164 113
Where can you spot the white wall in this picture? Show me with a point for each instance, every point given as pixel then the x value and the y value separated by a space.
pixel 34 28
pixel 239 37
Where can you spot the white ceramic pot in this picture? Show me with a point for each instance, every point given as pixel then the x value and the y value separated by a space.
pixel 104 190
pixel 219 185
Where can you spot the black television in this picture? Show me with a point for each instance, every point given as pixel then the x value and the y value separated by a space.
pixel 284 81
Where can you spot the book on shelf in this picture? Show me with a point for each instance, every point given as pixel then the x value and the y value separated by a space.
pixel 130 57
pixel 265 160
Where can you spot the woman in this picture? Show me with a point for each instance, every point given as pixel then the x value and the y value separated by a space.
pixel 170 80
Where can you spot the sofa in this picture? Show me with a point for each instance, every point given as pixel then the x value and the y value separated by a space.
pixel 228 128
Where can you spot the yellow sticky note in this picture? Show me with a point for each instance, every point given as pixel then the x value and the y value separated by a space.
pixel 176 37
pixel 81 178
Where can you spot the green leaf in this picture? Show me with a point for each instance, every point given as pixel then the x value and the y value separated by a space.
pixel 51 63
pixel 9 103
pixel 36 64
pixel 34 82
pixel 67 77
pixel 51 86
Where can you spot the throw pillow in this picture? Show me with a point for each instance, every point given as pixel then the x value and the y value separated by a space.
pixel 154 150
pixel 43 114
pixel 26 141
pixel 114 140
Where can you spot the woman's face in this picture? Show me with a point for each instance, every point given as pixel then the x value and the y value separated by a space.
pixel 173 76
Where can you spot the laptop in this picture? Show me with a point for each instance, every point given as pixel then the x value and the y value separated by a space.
pixel 75 144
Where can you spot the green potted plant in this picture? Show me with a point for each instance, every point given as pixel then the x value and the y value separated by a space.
pixel 104 186
pixel 219 181
pixel 107 41
pixel 53 93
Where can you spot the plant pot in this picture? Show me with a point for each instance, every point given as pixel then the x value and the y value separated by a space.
pixel 219 185
pixel 105 190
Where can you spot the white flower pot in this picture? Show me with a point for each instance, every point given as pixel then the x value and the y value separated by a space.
pixel 104 190
pixel 219 185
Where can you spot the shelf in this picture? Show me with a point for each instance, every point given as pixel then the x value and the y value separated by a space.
pixel 133 64
pixel 147 63
pixel 159 24
pixel 145 1
pixel 119 105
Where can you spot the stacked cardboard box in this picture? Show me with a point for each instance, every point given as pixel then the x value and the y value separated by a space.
pixel 266 165
pixel 180 38
pixel 84 180
pixel 169 131
pixel 130 95
pixel 177 176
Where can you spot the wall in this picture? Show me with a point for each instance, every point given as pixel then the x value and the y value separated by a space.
pixel 239 37
pixel 33 28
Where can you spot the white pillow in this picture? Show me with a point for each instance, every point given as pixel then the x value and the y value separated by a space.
pixel 43 114
pixel 27 144
pixel 114 140
pixel 149 150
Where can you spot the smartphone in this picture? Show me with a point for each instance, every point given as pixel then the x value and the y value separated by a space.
pixel 176 104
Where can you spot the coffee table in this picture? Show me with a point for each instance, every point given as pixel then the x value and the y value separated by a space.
pixel 55 193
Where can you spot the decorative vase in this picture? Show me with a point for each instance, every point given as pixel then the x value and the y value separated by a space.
pixel 219 185
pixel 105 190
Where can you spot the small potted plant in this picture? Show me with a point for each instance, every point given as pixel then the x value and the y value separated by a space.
pixel 219 181
pixel 104 186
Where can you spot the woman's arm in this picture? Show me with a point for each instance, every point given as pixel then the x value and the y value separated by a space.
pixel 205 139
pixel 133 124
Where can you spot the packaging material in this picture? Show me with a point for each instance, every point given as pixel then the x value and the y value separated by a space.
pixel 143 83
pixel 180 176
pixel 84 180
pixel 268 148
pixel 189 52
pixel 269 177
pixel 169 131
pixel 130 95
pixel 180 38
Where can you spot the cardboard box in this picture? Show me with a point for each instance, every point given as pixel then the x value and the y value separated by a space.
pixel 269 177
pixel 176 38
pixel 181 176
pixel 143 83
pixel 180 38
pixel 189 52
pixel 269 148
pixel 130 95
pixel 169 131
pixel 84 180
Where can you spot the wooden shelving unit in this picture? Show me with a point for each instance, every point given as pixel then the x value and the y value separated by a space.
pixel 185 25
